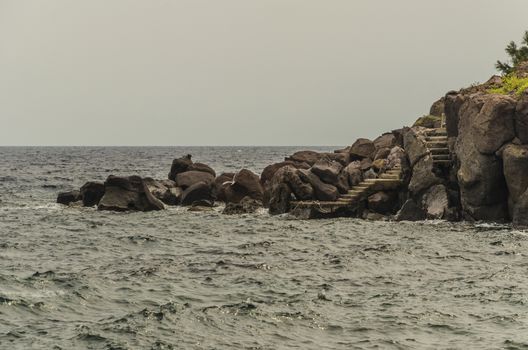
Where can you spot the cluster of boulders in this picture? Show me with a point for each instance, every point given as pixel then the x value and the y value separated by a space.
pixel 314 176
pixel 189 184
pixel 485 179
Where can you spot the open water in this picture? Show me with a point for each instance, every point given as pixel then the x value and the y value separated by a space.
pixel 76 278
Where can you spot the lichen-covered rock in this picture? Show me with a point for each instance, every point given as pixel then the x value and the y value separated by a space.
pixel 91 193
pixel 128 194
pixel 428 121
pixel 352 174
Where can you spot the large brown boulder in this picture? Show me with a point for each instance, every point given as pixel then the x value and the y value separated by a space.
pixel 128 193
pixel 423 175
pixel 68 197
pixel 352 174
pixel 164 190
pixel 91 193
pixel 414 144
pixel 245 184
pixel 327 170
pixel 221 185
pixel 362 148
pixel 521 118
pixel 387 140
pixel 322 191
pixel 383 202
pixel 308 157
pixel 270 170
pixel 189 178
pixel 279 193
pixel 202 167
pixel 180 165
pixel 198 192
pixel 300 189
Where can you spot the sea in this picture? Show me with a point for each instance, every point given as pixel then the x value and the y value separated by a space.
pixel 78 278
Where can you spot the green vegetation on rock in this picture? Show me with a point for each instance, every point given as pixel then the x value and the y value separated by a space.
pixel 511 84
pixel 518 55
pixel 428 121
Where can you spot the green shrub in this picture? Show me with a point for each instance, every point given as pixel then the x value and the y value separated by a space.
pixel 511 84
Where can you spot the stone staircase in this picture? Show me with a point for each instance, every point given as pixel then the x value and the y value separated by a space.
pixel 436 142
pixel 389 180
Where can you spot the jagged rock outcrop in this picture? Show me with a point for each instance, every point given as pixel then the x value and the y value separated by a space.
pixel 270 170
pixel 279 193
pixel 423 175
pixel 521 118
pixel 483 192
pixel 128 193
pixel 327 170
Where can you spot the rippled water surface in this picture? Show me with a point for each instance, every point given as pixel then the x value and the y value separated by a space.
pixel 73 278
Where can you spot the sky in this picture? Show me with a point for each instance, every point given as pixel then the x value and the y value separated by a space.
pixel 238 72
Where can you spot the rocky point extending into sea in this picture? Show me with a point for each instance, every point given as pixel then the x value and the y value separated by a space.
pixel 466 160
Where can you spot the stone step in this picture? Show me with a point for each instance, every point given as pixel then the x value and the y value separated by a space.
pixel 442 162
pixel 390 176
pixel 435 144
pixel 436 132
pixel 441 157
pixel 436 139
pixel 444 150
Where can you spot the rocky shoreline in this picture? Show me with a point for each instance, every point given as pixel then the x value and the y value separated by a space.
pixel 467 160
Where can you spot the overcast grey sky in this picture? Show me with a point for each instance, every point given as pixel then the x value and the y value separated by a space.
pixel 238 72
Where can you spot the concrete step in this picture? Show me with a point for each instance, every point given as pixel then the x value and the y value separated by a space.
pixel 437 132
pixel 436 139
pixel 390 176
pixel 443 162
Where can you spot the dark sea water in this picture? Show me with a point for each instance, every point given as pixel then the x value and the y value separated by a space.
pixel 74 278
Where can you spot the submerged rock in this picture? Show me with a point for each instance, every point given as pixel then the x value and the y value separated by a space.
pixel 68 197
pixel 247 205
